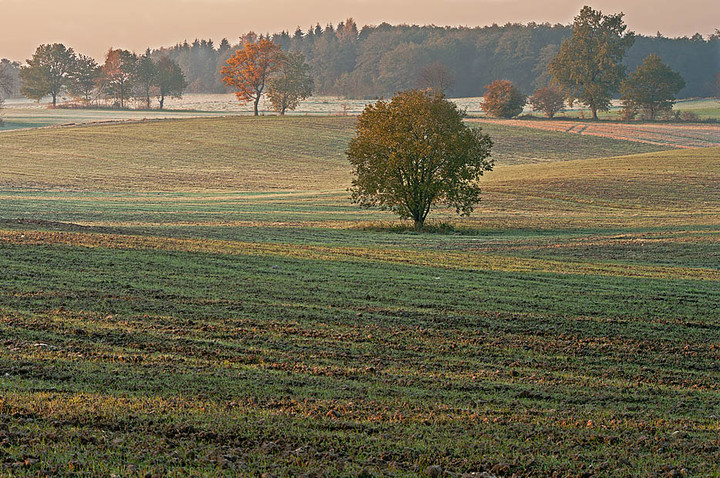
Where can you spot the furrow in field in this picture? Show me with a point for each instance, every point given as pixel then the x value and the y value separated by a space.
pixel 440 259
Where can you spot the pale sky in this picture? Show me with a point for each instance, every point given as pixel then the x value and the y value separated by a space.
pixel 92 26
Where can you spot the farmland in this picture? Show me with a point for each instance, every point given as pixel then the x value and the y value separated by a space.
pixel 199 297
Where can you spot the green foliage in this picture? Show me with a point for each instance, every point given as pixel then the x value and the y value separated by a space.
pixel 588 66
pixel 145 76
pixel 651 88
pixel 549 100
pixel 84 78
pixel 170 80
pixel 415 151
pixel 47 72
pixel 503 99
pixel 291 84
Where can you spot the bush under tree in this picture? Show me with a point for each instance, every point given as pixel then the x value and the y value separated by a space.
pixel 415 151
pixel 503 99
pixel 549 99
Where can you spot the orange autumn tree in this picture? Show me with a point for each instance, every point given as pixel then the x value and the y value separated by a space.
pixel 249 69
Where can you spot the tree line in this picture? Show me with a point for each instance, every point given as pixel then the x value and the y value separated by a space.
pixel 374 61
pixel 588 69
pixel 56 70
pixel 380 60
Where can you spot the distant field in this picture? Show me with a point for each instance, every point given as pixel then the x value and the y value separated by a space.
pixel 199 297
pixel 237 153
pixel 668 135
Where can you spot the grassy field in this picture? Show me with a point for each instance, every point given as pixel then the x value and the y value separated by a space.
pixel 198 297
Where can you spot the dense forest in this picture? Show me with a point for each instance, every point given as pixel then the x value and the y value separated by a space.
pixel 381 60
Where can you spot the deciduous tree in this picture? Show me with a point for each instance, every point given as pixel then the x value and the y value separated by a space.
pixel 291 84
pixel 588 66
pixel 249 69
pixel 170 80
pixel 502 99
pixel 47 72
pixel 437 77
pixel 119 74
pixel 549 99
pixel 84 78
pixel 415 151
pixel 145 77
pixel 651 88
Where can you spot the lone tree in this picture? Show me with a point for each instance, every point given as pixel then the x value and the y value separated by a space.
pixel 502 99
pixel 248 70
pixel 549 99
pixel 651 88
pixel 291 84
pixel 47 72
pixel 588 66
pixel 170 80
pixel 415 151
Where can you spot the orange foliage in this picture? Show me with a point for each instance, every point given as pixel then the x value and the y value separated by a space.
pixel 248 70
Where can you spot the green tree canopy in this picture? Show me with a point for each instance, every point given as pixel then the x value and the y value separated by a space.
pixel 170 80
pixel 47 72
pixel 291 84
pixel 84 77
pixel 145 77
pixel 415 151
pixel 588 66
pixel 651 88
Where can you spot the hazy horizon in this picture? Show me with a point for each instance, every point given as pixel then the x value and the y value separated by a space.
pixel 91 27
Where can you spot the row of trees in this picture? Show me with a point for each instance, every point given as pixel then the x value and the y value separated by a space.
pixel 55 70
pixel 379 60
pixel 588 69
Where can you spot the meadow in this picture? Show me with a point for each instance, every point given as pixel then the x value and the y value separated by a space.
pixel 199 297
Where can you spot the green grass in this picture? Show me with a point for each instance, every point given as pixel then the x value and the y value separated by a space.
pixel 40 117
pixel 153 326
pixel 704 108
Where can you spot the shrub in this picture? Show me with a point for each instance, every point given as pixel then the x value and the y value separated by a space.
pixel 549 100
pixel 502 99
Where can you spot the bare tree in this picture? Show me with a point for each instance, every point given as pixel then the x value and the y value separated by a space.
pixel 436 77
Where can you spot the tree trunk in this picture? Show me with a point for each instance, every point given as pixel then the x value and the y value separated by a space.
pixel 419 223
pixel 148 100
pixel 54 96
pixel 162 101
pixel 594 112
pixel 257 101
